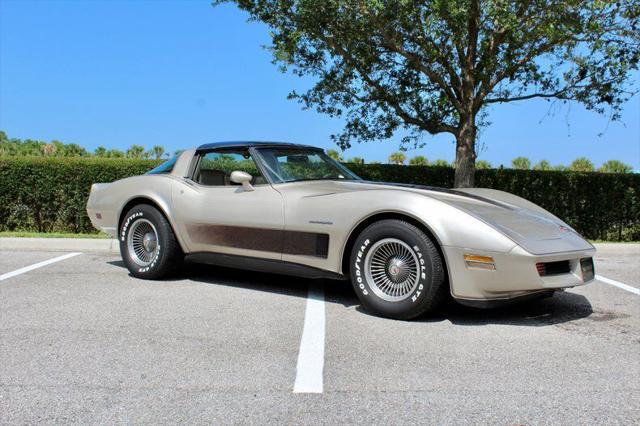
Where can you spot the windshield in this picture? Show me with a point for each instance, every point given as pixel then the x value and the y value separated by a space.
pixel 296 164
pixel 165 167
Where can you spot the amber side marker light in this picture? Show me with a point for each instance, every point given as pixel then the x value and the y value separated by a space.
pixel 475 261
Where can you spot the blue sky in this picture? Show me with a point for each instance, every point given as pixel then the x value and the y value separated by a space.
pixel 182 73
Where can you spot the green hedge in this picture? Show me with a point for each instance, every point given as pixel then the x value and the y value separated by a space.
pixel 50 194
pixel 602 206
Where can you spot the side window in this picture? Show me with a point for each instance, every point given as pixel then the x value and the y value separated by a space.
pixel 215 168
pixel 304 166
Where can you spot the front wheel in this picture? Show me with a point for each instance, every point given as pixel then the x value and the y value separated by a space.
pixel 147 244
pixel 397 271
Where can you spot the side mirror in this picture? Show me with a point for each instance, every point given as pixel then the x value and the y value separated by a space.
pixel 243 178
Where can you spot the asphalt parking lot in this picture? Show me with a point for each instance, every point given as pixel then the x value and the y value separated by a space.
pixel 83 342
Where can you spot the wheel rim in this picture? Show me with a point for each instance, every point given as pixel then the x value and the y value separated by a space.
pixel 392 269
pixel 142 242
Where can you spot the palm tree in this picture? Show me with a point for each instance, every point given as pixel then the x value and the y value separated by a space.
pixel 582 164
pixel 441 163
pixel 615 166
pixel 542 165
pixel 157 151
pixel 49 149
pixel 135 151
pixel 521 163
pixel 397 158
pixel 100 151
pixel 483 164
pixel 114 153
pixel 419 160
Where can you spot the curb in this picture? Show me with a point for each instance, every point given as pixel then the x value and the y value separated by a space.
pixel 86 245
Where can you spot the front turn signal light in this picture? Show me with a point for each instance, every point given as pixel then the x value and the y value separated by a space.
pixel 475 261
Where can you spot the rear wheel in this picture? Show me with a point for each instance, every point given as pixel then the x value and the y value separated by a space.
pixel 148 246
pixel 397 271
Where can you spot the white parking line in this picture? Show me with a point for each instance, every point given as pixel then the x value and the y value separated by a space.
pixel 311 355
pixel 618 284
pixel 36 266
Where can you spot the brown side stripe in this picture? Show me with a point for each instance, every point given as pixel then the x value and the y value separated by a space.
pixel 272 240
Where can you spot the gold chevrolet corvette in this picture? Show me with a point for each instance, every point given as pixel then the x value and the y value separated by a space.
pixel 291 209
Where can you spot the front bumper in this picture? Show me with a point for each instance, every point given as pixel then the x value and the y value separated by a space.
pixel 515 274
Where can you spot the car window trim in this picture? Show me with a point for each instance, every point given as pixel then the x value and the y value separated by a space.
pixel 201 153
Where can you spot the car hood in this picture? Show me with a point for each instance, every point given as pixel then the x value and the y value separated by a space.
pixel 530 226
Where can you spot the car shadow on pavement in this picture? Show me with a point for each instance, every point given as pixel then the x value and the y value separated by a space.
pixel 561 308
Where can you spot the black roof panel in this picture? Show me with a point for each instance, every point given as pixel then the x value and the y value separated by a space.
pixel 247 144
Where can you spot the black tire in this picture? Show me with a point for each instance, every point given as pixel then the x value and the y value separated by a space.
pixel 167 256
pixel 423 294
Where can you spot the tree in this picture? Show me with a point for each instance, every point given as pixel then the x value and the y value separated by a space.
pixel 157 152
pixel 419 160
pixel 356 160
pixel 615 166
pixel 73 150
pixel 100 151
pixel 582 164
pixel 136 151
pixel 397 158
pixel 483 164
pixel 521 163
pixel 542 165
pixel 334 154
pixel 49 149
pixel 114 153
pixel 436 66
pixel 441 163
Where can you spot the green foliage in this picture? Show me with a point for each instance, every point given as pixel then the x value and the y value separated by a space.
pixel 50 194
pixel 334 154
pixel 356 160
pixel 438 65
pixel 482 165
pixel 156 152
pixel 598 205
pixel 229 163
pixel 137 151
pixel 582 164
pixel 14 147
pixel 542 165
pixel 521 163
pixel 419 160
pixel 441 163
pixel 615 166
pixel 397 158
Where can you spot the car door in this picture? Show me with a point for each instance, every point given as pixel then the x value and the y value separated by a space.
pixel 216 215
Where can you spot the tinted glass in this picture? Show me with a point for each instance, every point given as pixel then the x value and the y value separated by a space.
pixel 215 167
pixel 165 167
pixel 296 164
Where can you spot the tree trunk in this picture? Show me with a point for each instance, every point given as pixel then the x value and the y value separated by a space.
pixel 466 153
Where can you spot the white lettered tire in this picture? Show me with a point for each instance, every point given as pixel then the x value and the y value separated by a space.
pixel 397 271
pixel 148 245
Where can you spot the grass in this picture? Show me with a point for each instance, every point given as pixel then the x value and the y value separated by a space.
pixel 26 234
